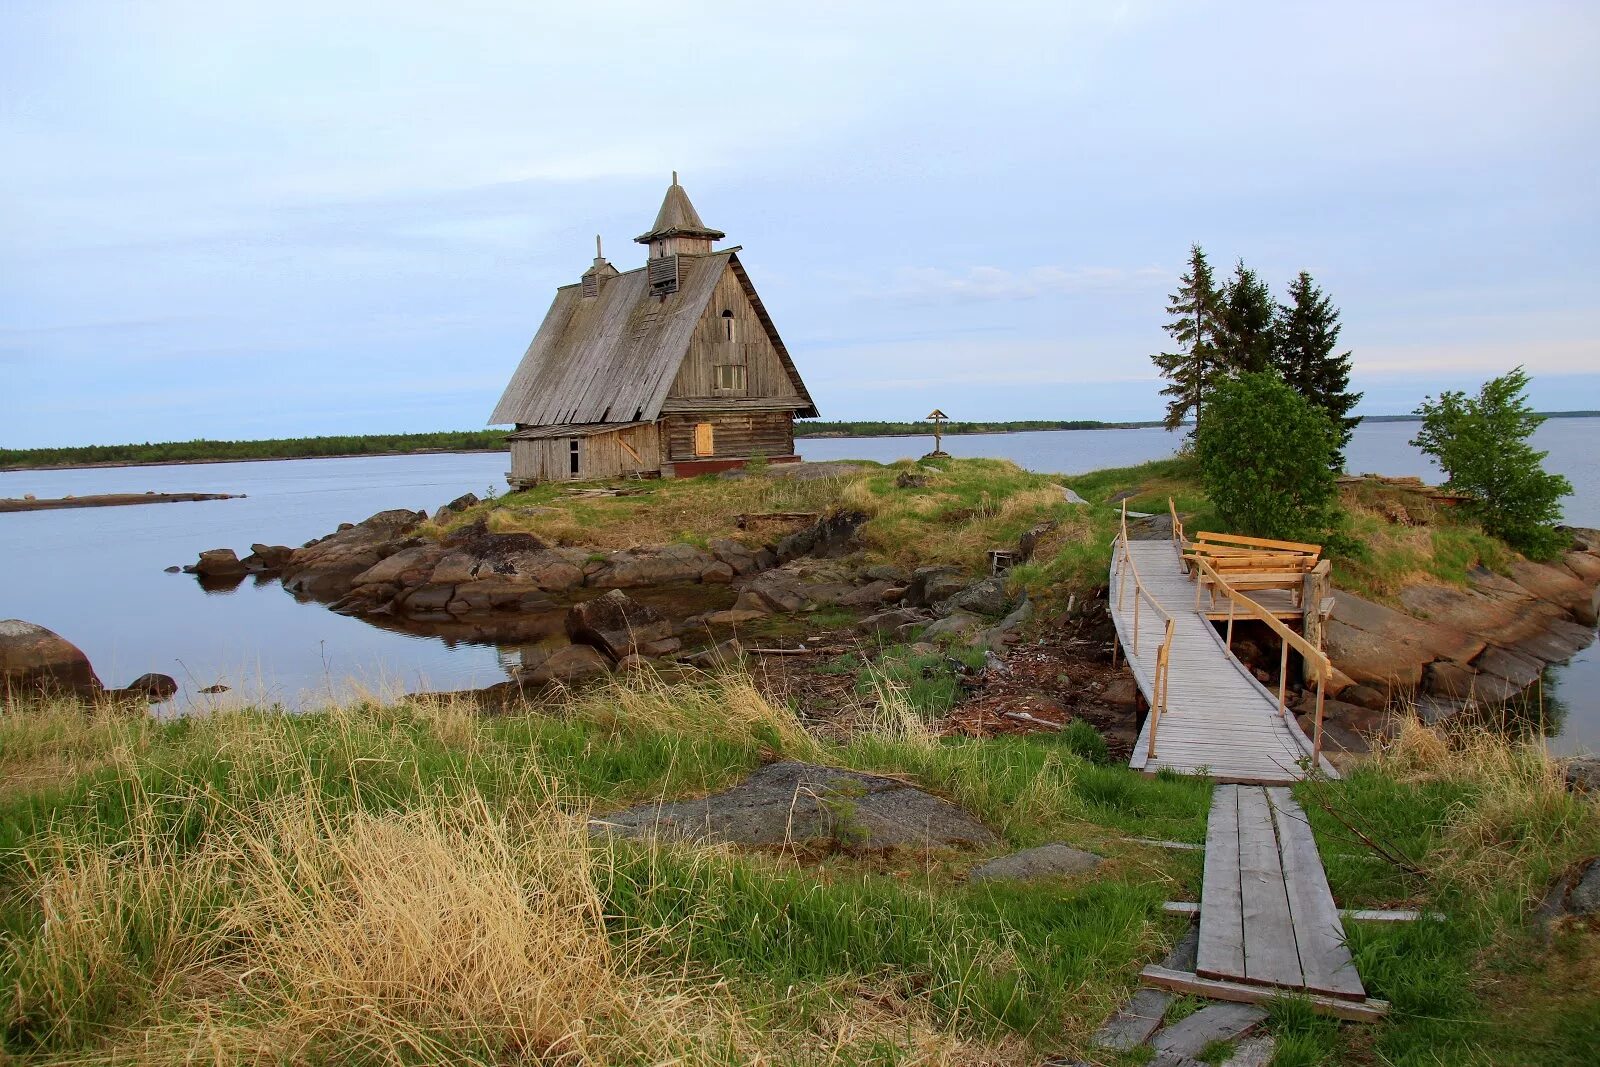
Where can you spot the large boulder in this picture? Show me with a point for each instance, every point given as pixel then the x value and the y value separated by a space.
pixel 219 563
pixel 567 663
pixel 267 558
pixel 741 558
pixel 986 597
pixel 620 626
pixel 36 660
pixel 930 585
pixel 834 535
pixel 325 569
pixel 153 687
pixel 407 567
pixel 648 565
pixel 1557 585
pixel 794 803
pixel 1382 647
pixel 1494 609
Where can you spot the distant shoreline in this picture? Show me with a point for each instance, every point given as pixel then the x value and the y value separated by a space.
pixel 340 447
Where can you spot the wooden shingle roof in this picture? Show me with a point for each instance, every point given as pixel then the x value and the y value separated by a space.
pixel 613 358
pixel 678 218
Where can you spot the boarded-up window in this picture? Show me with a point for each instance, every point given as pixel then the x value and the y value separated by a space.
pixel 704 443
pixel 730 376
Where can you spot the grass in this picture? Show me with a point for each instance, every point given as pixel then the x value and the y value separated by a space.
pixel 1485 823
pixel 415 883
pixel 954 511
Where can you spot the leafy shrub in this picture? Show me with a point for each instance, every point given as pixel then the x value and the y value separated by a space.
pixel 1265 459
pixel 1482 445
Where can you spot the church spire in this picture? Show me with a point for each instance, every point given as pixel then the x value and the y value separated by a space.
pixel 678 226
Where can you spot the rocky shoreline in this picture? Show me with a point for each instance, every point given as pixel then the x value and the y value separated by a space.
pixel 574 602
pixel 1445 649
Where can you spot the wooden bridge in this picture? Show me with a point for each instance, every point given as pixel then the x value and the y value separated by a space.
pixel 1268 922
pixel 1208 713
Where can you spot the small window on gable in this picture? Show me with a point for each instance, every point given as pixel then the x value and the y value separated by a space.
pixel 730 376
pixel 728 326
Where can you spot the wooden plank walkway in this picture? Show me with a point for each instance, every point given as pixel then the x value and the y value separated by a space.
pixel 1219 719
pixel 1266 915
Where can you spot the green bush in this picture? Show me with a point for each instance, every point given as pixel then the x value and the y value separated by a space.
pixel 1265 458
pixel 1482 445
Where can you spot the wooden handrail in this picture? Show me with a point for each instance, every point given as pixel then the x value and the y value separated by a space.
pixel 1259 542
pixel 1158 686
pixel 1309 652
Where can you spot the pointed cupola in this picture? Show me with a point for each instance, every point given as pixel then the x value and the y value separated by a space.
pixel 678 227
pixel 597 273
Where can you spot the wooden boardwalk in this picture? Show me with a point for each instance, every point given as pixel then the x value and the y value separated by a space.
pixel 1266 915
pixel 1268 922
pixel 1218 718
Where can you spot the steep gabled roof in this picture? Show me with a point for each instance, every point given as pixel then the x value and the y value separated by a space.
pixel 613 358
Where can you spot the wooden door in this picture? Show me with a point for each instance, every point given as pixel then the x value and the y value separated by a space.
pixel 704 440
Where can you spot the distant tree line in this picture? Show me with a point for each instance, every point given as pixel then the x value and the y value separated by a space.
pixel 908 429
pixel 279 448
pixel 1228 329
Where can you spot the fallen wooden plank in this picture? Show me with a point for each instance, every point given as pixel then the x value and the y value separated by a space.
pixel 1270 950
pixel 1166 844
pixel 1385 915
pixel 1243 993
pixel 1324 957
pixel 1360 915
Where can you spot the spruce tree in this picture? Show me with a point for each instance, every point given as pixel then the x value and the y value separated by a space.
pixel 1307 334
pixel 1245 341
pixel 1193 370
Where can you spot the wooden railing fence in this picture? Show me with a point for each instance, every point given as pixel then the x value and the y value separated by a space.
pixel 1318 665
pixel 1124 570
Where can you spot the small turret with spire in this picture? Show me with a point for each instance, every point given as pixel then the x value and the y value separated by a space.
pixel 678 227
pixel 597 273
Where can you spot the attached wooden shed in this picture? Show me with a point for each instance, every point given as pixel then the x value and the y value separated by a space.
pixel 672 369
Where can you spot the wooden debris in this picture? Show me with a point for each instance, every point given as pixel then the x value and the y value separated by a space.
pixel 1362 1011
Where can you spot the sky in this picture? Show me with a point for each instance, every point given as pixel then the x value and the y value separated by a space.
pixel 282 219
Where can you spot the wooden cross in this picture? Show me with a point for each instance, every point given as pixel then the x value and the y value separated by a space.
pixel 938 418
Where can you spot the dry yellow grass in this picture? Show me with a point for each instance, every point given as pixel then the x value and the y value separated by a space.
pixel 1521 818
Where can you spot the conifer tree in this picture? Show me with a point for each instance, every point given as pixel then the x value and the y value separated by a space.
pixel 1245 340
pixel 1193 370
pixel 1307 333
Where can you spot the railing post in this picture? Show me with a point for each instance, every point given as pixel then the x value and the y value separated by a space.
pixel 1137 596
pixel 1283 676
pixel 1316 743
pixel 1230 623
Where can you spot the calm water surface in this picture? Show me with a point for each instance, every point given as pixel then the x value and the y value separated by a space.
pixel 95 575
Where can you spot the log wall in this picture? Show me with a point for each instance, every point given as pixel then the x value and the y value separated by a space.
pixel 601 455
pixel 750 348
pixel 757 433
